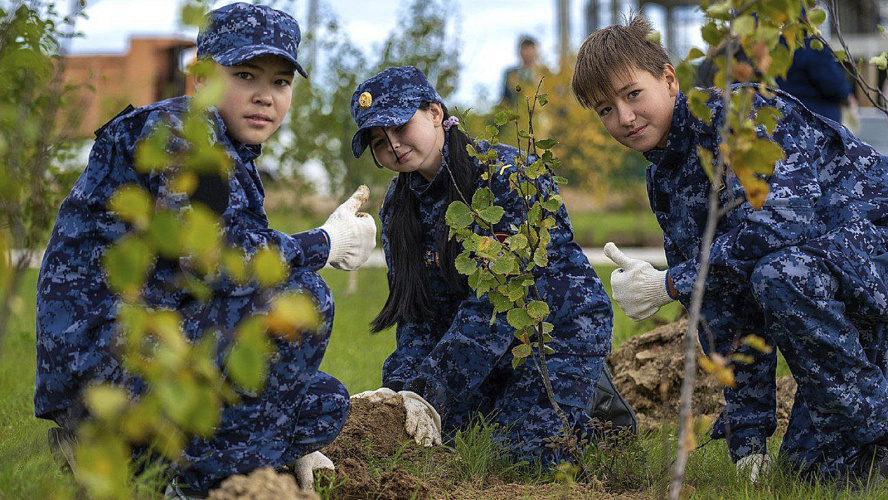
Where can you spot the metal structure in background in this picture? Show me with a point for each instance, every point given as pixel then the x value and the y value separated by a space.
pixel 859 20
pixel 680 17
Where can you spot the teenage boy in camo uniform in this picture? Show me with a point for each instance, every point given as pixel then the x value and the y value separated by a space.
pixel 807 272
pixel 301 409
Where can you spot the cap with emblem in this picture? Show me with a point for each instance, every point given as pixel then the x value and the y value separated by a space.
pixel 389 99
pixel 240 31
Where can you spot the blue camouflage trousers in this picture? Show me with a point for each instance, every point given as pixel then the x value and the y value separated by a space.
pixel 300 410
pixel 824 304
pixel 517 401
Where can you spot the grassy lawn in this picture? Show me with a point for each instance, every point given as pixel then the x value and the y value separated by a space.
pixel 354 356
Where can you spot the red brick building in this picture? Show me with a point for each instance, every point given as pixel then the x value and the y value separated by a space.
pixel 149 71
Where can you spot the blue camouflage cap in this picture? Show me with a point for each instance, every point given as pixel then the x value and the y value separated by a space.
pixel 389 99
pixel 240 31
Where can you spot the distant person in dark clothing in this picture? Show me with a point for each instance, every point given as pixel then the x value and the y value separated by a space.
pixel 817 79
pixel 526 74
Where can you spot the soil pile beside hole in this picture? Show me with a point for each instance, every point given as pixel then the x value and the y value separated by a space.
pixel 648 371
pixel 368 445
pixel 261 484
pixel 373 430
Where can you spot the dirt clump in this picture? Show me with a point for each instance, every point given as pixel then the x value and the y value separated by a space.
pixel 648 370
pixel 372 430
pixel 368 450
pixel 261 484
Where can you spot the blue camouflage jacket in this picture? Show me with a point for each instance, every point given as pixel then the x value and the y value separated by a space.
pixel 75 307
pixel 829 181
pixel 831 185
pixel 458 356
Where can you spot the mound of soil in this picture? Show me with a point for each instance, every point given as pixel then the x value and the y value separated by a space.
pixel 261 484
pixel 648 371
pixel 373 435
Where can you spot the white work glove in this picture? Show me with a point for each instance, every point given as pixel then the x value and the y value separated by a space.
pixel 352 233
pixel 637 286
pixel 376 396
pixel 305 467
pixel 423 423
pixel 754 466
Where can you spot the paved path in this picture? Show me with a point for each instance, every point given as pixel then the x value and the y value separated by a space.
pixel 596 257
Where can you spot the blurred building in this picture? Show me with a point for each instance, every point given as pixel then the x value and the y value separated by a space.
pixel 149 71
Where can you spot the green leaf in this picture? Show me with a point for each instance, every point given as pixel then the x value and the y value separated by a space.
pixel 781 60
pixel 559 180
pixel 697 103
pixel 126 264
pixel 471 150
pixel 235 264
pixel 105 401
pixel 743 26
pixel 540 257
pixel 291 314
pixel 246 360
pixel 517 241
pixel 458 215
pixel 816 44
pixel 269 267
pixel 706 162
pixel 518 318
pixel 492 214
pixel 653 37
pixel 538 309
pixel 711 34
pixel 521 351
pixel 840 55
pixel 543 99
pixel 465 264
pixel 545 143
pixel 695 54
pixel 500 302
pixel 517 362
pixel 553 203
pixel 491 130
pixel 500 118
pixel 504 265
pixel 133 204
pixel 165 232
pixel 482 198
pixel 768 117
pixel 816 17
pixel 881 61
pixel 547 328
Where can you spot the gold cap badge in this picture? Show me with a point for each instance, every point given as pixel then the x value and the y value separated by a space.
pixel 365 100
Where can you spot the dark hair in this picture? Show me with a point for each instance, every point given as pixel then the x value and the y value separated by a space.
pixel 409 293
pixel 615 50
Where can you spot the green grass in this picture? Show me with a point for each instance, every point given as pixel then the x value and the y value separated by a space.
pixel 355 357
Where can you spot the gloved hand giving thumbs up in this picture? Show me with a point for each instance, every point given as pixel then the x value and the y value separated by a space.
pixel 352 233
pixel 640 289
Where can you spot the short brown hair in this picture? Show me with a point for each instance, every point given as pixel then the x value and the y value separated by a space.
pixel 615 50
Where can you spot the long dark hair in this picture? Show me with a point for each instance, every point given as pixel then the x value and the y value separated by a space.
pixel 410 296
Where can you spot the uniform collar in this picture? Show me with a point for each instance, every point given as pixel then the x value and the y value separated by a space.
pixel 679 140
pixel 430 192
pixel 246 152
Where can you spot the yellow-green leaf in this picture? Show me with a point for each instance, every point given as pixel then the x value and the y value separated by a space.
pixel 521 351
pixel 268 267
pixel 133 204
pixel 538 309
pixel 291 314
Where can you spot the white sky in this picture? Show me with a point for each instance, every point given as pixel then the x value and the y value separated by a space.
pixel 488 31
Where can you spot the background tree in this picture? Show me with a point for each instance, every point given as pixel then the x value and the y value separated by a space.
pixel 32 141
